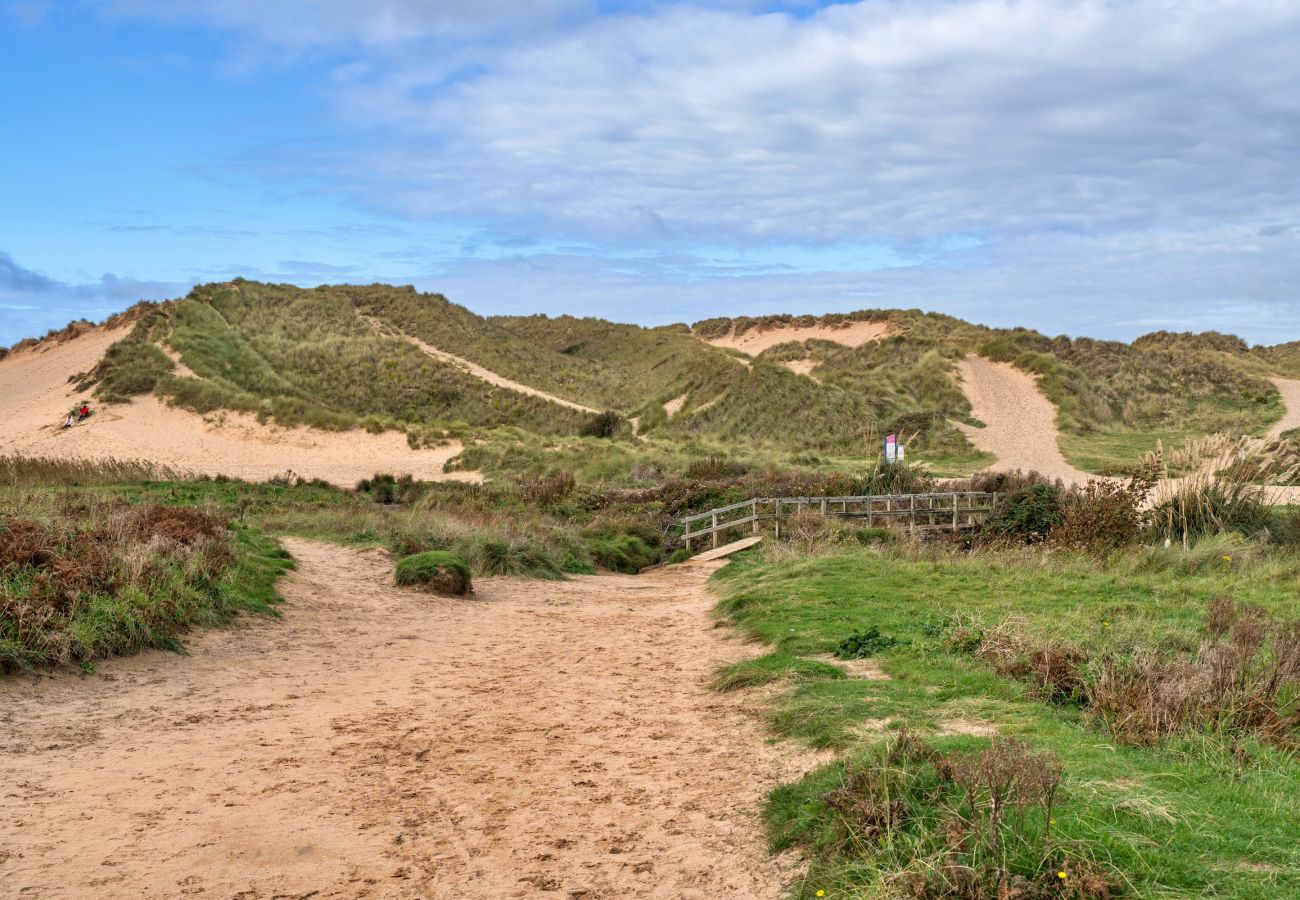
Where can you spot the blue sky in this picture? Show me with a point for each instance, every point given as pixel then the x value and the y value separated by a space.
pixel 1080 167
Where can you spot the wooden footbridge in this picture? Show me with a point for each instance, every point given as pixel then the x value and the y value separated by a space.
pixel 949 511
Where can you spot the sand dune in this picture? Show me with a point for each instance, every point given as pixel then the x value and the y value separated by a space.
pixel 1020 423
pixel 35 394
pixel 755 341
pixel 475 369
pixel 545 739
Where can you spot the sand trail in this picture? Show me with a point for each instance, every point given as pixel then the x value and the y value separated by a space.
pixel 474 368
pixel 35 394
pixel 1020 423
pixel 541 740
pixel 1289 388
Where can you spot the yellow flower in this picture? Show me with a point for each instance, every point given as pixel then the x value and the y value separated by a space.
pixel 1105 624
pixel 1061 875
pixel 1227 559
pixel 821 893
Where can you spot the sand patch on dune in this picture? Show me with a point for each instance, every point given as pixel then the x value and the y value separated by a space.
pixel 35 395
pixel 1020 423
pixel 854 334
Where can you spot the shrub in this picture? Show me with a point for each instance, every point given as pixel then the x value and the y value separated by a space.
pixel 1028 514
pixel 622 553
pixel 438 571
pixel 604 425
pixel 965 825
pixel 1105 515
pixel 865 643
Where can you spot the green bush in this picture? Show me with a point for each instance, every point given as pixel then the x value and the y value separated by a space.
pixel 435 570
pixel 1029 513
pixel 625 553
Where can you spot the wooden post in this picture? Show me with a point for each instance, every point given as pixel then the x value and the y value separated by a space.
pixel 823 507
pixel 715 529
pixel 912 509
pixel 753 511
pixel 956 500
pixel 687 536
pixel 778 519
pixel 871 511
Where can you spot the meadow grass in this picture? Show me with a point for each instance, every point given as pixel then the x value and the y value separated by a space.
pixel 1193 815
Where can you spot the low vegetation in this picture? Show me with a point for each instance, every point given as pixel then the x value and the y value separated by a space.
pixel 1097 696
pixel 438 571
pixel 82 578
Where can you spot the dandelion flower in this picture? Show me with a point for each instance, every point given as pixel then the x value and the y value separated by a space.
pixel 1227 559
pixel 1061 875
pixel 821 893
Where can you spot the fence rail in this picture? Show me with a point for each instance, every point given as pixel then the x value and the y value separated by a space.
pixel 953 510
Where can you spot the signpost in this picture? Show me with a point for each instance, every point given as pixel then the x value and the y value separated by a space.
pixel 894 451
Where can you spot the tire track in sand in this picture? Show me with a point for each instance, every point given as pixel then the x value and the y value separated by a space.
pixel 545 739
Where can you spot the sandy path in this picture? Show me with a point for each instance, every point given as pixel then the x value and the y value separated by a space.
pixel 1020 423
pixel 474 368
pixel 1289 388
pixel 755 341
pixel 35 394
pixel 542 740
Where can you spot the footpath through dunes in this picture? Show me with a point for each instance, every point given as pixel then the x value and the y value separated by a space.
pixel 1289 388
pixel 37 388
pixel 542 739
pixel 473 368
pixel 1019 422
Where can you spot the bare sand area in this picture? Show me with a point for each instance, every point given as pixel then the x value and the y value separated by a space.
pixel 36 393
pixel 1020 423
pixel 1289 388
pixel 543 739
pixel 755 341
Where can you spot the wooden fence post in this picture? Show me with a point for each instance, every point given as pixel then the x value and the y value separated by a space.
pixel 715 529
pixel 778 518
pixel 753 511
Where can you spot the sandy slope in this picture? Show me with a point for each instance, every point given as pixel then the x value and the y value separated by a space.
pixel 541 740
pixel 474 368
pixel 755 341
pixel 1289 388
pixel 1020 423
pixel 35 395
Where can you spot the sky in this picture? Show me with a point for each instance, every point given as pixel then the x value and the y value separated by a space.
pixel 1083 167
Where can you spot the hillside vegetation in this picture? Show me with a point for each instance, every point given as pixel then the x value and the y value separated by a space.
pixel 336 357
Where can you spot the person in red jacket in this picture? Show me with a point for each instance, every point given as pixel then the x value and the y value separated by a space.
pixel 83 412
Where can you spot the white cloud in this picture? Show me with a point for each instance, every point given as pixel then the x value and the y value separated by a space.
pixel 867 121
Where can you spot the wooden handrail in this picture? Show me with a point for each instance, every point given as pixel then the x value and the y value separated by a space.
pixel 919 509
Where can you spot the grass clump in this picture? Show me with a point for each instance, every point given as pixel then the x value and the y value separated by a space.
pixel 772 667
pixel 439 571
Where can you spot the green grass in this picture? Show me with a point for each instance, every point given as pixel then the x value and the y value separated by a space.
pixel 1116 453
pixel 442 570
pixel 772 667
pixel 1182 819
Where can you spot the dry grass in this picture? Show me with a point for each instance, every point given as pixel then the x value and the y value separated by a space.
pixel 36 471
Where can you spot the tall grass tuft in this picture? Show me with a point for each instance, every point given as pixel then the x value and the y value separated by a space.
pixel 37 471
pixel 1227 488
